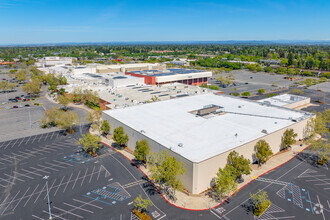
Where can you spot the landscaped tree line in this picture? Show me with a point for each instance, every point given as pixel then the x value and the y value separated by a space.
pixel 57 117
pixel 120 137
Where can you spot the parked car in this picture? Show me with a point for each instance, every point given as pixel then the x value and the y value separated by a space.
pixel 15 106
pixel 20 106
pixel 4 103
pixel 22 95
pixel 27 100
pixel 27 105
pixel 19 99
pixel 3 79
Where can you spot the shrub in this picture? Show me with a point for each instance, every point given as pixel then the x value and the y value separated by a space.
pixel 235 94
pixel 261 91
pixel 214 87
pixel 296 91
pixel 246 94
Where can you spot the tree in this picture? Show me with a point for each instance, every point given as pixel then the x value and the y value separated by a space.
pixel 246 94
pixel 165 170
pixel 105 127
pixel 263 151
pixel 119 136
pixel 142 150
pixel 322 147
pixel 63 100
pixel 261 91
pixel 269 69
pixel 260 201
pixel 141 204
pixel 21 75
pixel 296 91
pixel 214 87
pixel 288 138
pixel 50 117
pixel 67 120
pixel 238 165
pixel 32 87
pixel 90 142
pixel 224 182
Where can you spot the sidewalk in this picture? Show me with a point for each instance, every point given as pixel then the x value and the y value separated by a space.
pixel 202 201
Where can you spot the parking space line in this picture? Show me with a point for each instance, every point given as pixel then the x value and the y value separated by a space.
pixel 46 137
pixel 55 165
pixel 23 175
pixel 37 217
pixel 52 135
pixel 56 216
pixel 40 137
pixel 6 181
pixel 14 177
pixel 40 193
pixel 61 162
pixel 86 203
pixel 31 172
pixel 10 202
pixel 47 167
pixel 3 202
pixel 30 196
pixel 34 138
pixel 8 144
pixel 69 212
pixel 76 207
pixel 91 175
pixel 21 199
pixel 59 185
pixel 28 140
pixel 40 170
pixel 76 179
pixel 84 177
pixel 67 182
pixel 21 142
pixel 14 143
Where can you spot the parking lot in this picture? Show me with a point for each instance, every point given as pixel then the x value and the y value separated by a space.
pixel 79 186
pixel 251 82
pixel 21 122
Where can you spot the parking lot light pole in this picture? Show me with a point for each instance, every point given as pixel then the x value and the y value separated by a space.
pixel 49 209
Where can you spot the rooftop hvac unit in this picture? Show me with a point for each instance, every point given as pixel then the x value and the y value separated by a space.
pixel 180 144
pixel 264 131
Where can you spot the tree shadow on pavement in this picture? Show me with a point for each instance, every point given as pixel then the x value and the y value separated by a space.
pixel 248 206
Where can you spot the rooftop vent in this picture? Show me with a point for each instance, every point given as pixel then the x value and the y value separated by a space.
pixel 264 131
pixel 208 109
pixel 180 144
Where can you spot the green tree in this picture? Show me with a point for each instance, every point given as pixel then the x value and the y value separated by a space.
pixel 246 94
pixel 165 170
pixel 90 142
pixel 263 151
pixel 214 87
pixel 289 137
pixel 119 136
pixel 141 204
pixel 32 87
pixel 238 165
pixel 225 182
pixel 21 75
pixel 105 127
pixel 260 201
pixel 261 91
pixel 63 100
pixel 67 120
pixel 322 147
pixel 269 69
pixel 296 91
pixel 142 150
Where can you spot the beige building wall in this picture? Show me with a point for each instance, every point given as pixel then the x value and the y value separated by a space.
pixel 198 176
pixel 298 104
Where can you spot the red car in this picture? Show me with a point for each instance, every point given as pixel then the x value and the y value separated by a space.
pixel 19 99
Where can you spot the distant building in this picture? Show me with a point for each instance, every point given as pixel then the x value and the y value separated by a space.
pixel 128 67
pixel 287 100
pixel 271 62
pixel 54 61
pixel 185 76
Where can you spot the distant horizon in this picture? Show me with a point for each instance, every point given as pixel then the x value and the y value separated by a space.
pixel 27 22
pixel 164 42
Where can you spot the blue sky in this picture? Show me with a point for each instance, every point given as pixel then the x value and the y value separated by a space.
pixel 56 21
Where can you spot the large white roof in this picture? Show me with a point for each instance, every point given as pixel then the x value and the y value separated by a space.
pixel 171 122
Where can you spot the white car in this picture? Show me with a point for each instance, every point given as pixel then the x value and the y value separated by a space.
pixel 4 103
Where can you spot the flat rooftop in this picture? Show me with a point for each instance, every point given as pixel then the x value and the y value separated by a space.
pixel 166 72
pixel 173 124
pixel 283 100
